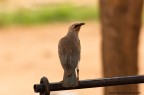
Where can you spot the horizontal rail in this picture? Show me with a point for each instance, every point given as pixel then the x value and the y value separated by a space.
pixel 56 86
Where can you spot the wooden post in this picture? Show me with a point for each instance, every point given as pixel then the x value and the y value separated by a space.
pixel 121 22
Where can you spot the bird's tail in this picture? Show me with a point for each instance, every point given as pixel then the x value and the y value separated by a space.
pixel 70 81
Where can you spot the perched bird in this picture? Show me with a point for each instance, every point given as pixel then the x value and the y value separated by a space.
pixel 69 49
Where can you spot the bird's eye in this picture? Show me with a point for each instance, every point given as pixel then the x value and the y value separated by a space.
pixel 75 26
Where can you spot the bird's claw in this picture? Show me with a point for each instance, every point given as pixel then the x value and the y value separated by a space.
pixel 61 81
pixel 77 79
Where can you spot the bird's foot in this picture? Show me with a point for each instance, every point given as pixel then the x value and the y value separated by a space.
pixel 61 81
pixel 77 79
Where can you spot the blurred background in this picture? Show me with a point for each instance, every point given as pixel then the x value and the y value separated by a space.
pixel 29 35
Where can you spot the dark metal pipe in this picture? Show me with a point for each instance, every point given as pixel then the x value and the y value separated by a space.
pixel 39 88
pixel 56 86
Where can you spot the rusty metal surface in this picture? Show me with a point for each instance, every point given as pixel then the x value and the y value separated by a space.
pixel 56 86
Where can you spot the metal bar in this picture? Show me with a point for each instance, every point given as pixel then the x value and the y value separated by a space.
pixel 56 86
pixel 39 88
pixel 100 82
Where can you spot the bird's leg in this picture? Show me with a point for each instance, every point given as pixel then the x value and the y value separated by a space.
pixel 78 73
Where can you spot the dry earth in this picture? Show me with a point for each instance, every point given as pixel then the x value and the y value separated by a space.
pixel 28 53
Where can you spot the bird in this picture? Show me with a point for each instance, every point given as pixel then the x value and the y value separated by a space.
pixel 69 49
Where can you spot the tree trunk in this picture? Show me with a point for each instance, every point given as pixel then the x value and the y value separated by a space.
pixel 121 22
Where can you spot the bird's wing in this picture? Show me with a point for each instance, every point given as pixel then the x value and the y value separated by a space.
pixel 64 55
pixel 76 49
pixel 69 55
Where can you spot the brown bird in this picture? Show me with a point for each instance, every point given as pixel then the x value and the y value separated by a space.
pixel 69 49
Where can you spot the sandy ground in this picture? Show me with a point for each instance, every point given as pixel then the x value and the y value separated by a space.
pixel 29 53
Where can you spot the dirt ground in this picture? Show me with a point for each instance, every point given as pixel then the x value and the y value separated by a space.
pixel 29 53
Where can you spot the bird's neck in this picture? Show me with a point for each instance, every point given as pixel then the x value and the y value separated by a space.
pixel 72 34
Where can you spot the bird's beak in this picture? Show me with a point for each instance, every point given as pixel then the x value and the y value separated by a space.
pixel 81 24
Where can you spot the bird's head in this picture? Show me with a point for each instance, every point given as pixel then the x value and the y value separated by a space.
pixel 75 27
